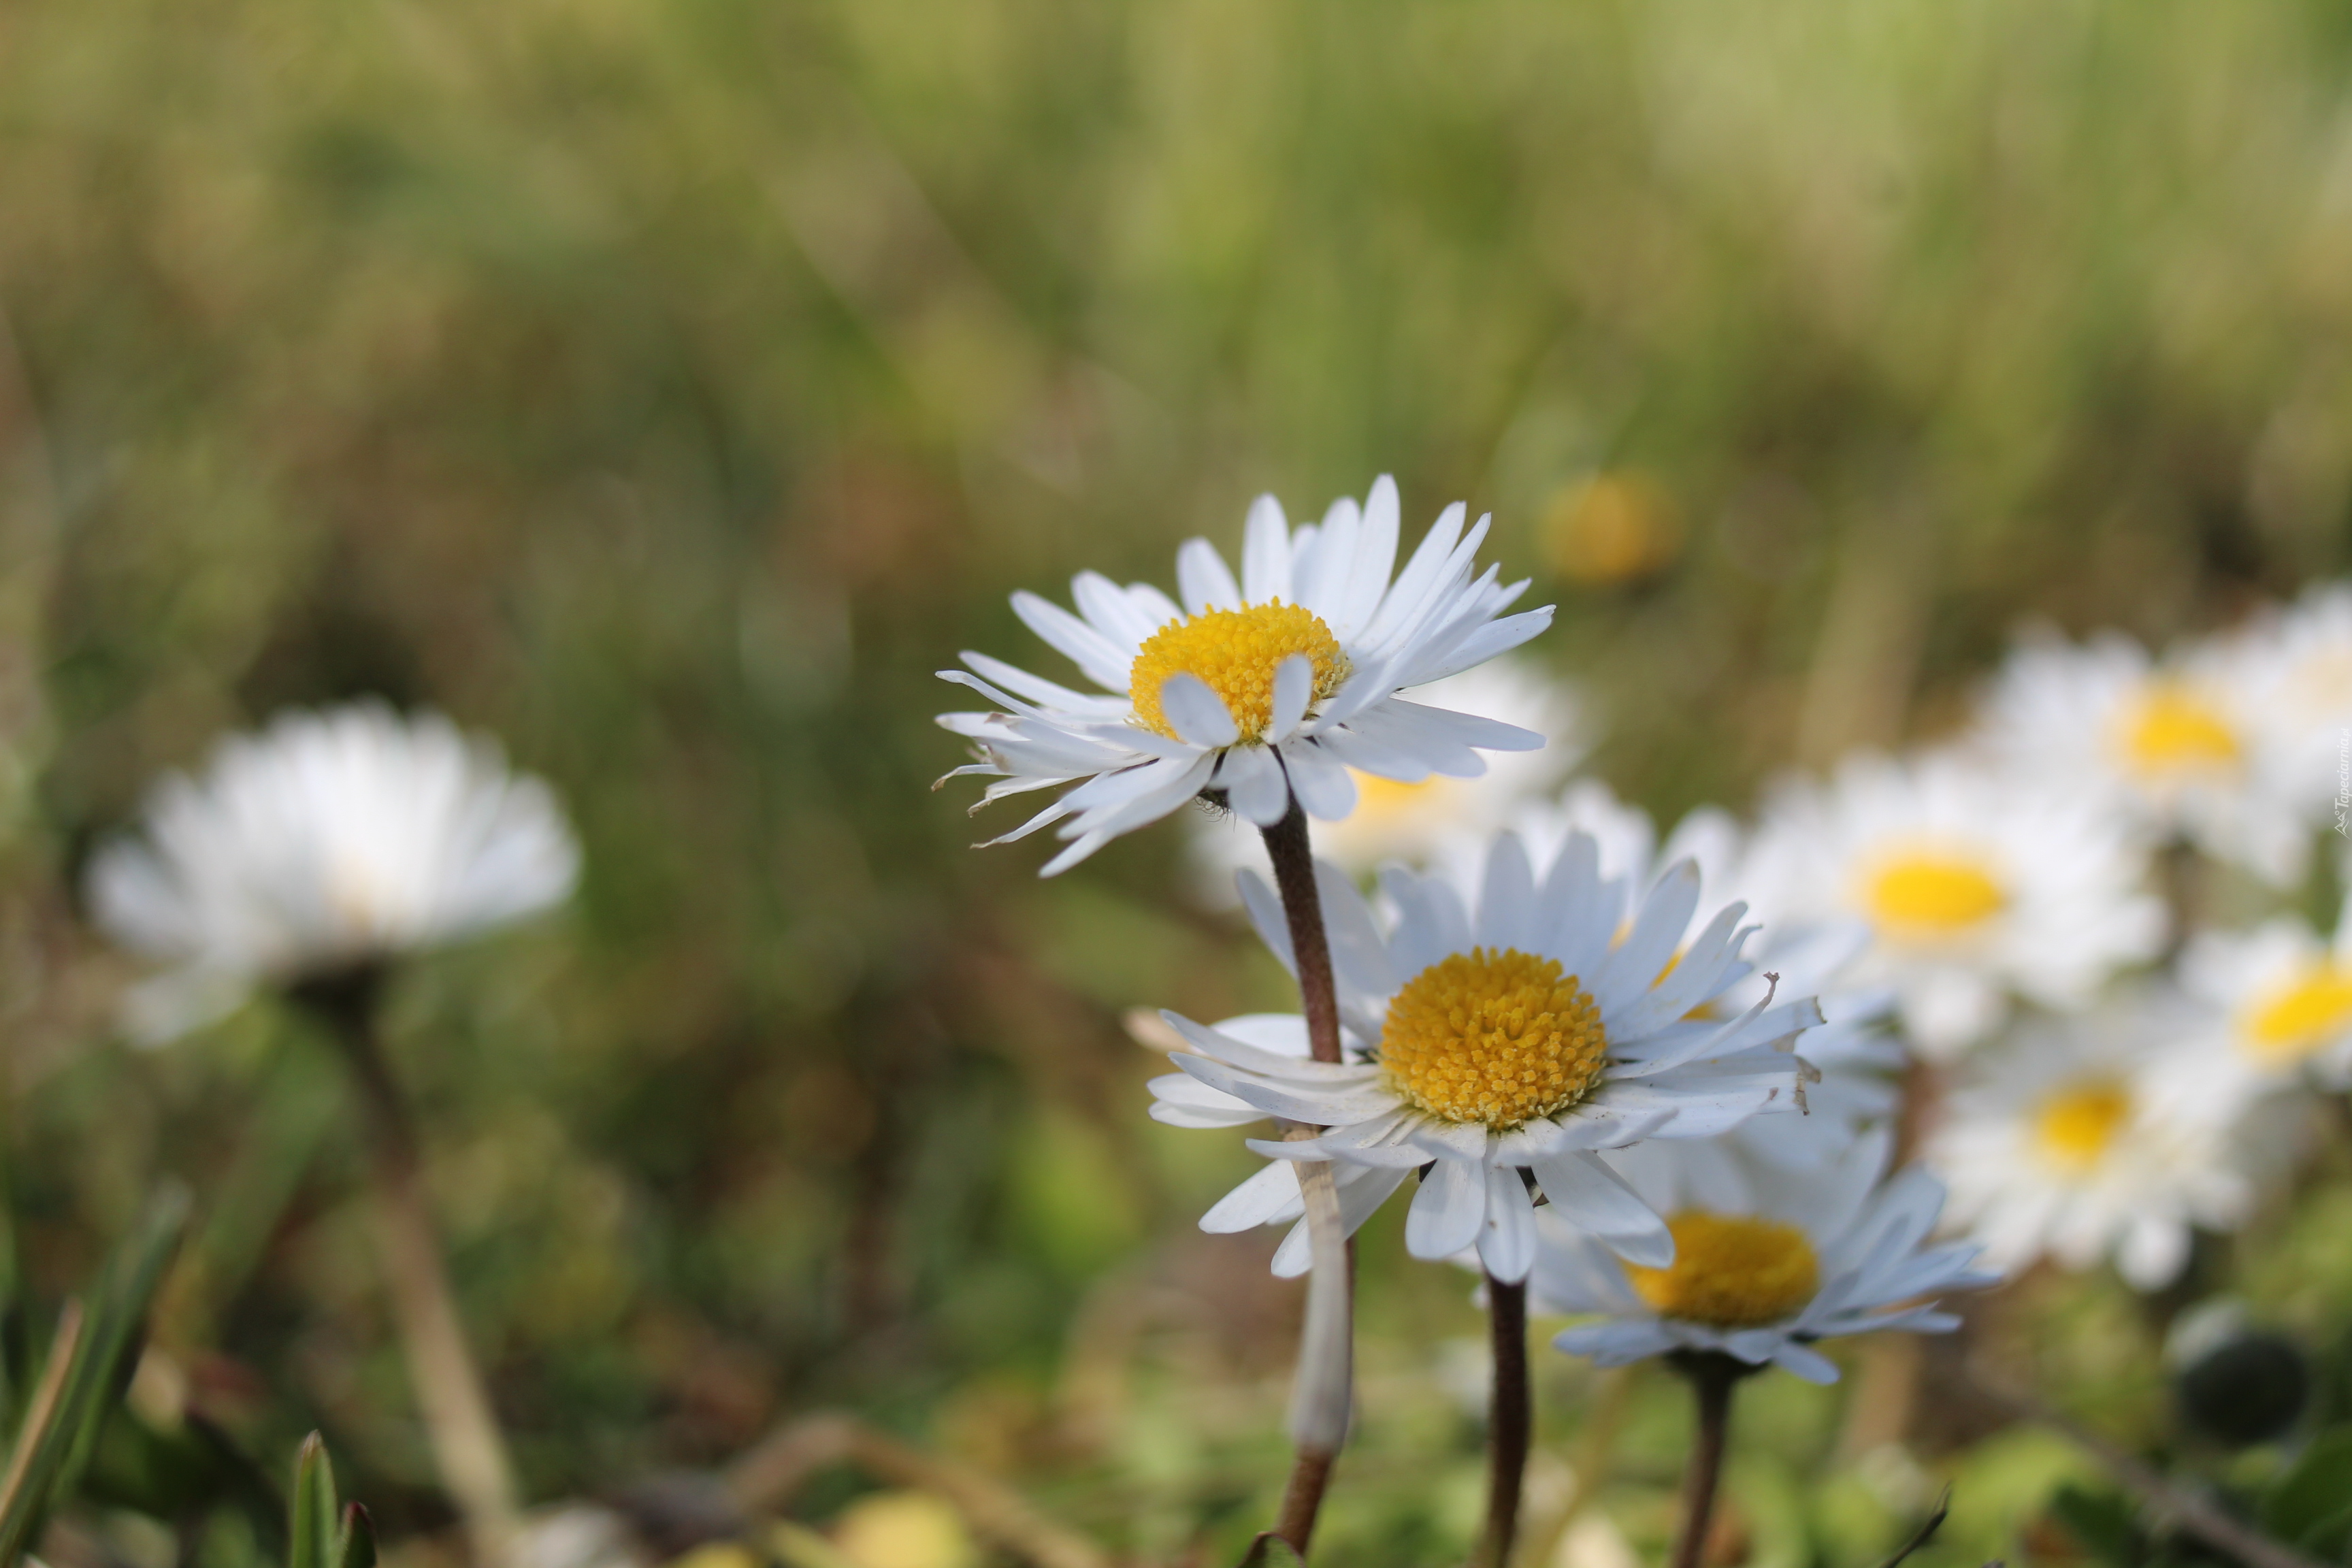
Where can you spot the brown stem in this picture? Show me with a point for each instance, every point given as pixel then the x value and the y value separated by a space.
pixel 1329 1332
pixel 1510 1423
pixel 467 1447
pixel 1302 903
pixel 1712 1376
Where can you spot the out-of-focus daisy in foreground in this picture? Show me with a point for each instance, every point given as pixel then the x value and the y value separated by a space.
pixel 1282 683
pixel 2179 745
pixel 2278 1000
pixel 2104 1135
pixel 1522 1027
pixel 1972 884
pixel 1768 1260
pixel 2296 670
pixel 1413 822
pixel 327 842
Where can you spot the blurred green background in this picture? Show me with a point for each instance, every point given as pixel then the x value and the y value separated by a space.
pixel 671 388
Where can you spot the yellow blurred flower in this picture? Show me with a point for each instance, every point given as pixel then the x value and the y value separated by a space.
pixel 1613 527
pixel 904 1530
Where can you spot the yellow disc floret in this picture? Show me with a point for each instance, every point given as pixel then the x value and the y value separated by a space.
pixel 1930 895
pixel 1730 1271
pixel 2299 1019
pixel 1235 652
pixel 2173 730
pixel 2075 1128
pixel 1497 1037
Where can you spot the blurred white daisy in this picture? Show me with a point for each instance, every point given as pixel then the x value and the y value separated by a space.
pixel 1851 1050
pixel 1768 1260
pixel 1282 683
pixel 2295 669
pixel 1523 1037
pixel 1413 822
pixel 2278 1000
pixel 2179 744
pixel 2098 1136
pixel 329 841
pixel 1973 885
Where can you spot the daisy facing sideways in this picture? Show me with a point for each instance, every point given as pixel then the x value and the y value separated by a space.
pixel 2108 1135
pixel 1768 1259
pixel 1282 683
pixel 328 842
pixel 1520 1028
pixel 2179 745
pixel 2278 1000
pixel 1972 885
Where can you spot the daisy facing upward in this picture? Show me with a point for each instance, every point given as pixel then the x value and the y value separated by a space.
pixel 1521 1026
pixel 1281 683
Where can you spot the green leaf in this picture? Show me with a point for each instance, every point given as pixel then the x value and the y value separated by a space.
pixel 355 1547
pixel 91 1360
pixel 1271 1550
pixel 2104 1523
pixel 2308 1505
pixel 311 1533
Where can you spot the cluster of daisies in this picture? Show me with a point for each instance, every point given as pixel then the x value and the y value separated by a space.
pixel 2072 937
pixel 1597 1078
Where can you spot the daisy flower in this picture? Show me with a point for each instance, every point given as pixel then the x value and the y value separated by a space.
pixel 2100 1136
pixel 2278 1000
pixel 2177 744
pixel 2297 674
pixel 1767 1261
pixel 1282 683
pixel 325 843
pixel 1521 1028
pixel 1851 1053
pixel 1972 884
pixel 1412 823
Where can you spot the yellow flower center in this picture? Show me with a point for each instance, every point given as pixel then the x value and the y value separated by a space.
pixel 2297 1019
pixel 1928 894
pixel 2172 730
pixel 1495 1037
pixel 2075 1127
pixel 1235 652
pixel 1730 1271
pixel 1386 800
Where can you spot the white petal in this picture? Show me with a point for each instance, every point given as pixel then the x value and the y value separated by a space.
pixel 1506 1240
pixel 1266 553
pixel 1448 1211
pixel 1293 684
pixel 1204 580
pixel 1198 713
pixel 1255 785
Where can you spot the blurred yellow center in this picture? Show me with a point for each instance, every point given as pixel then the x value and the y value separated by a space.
pixel 2172 730
pixel 1235 653
pixel 2292 1023
pixel 1388 799
pixel 2075 1126
pixel 1932 894
pixel 1730 1271
pixel 1495 1037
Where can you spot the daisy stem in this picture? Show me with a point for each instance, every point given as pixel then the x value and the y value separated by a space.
pixel 1712 1377
pixel 467 1447
pixel 1508 1423
pixel 1302 905
pixel 1320 1409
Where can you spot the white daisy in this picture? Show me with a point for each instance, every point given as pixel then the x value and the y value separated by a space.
pixel 1974 885
pixel 1522 1038
pixel 326 841
pixel 2295 669
pixel 2109 1134
pixel 2178 745
pixel 1768 1260
pixel 1282 683
pixel 1413 822
pixel 2278 1000
pixel 1851 1050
